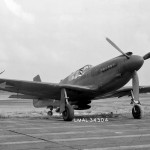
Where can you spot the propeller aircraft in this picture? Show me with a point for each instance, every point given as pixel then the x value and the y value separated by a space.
pixel 88 83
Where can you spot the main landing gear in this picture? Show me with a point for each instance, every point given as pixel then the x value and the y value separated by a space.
pixel 68 114
pixel 65 108
pixel 136 110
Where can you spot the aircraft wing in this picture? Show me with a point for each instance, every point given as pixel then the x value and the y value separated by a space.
pixel 125 91
pixel 43 90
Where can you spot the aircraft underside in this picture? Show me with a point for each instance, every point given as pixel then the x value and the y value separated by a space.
pixel 67 109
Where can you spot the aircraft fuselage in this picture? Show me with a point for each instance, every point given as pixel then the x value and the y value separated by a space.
pixel 108 76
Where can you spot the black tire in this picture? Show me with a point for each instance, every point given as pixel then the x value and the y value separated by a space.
pixel 68 114
pixel 50 113
pixel 137 112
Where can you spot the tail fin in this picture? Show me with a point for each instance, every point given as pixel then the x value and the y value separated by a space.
pixel 37 78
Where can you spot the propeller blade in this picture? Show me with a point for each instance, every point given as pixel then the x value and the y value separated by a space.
pixel 135 85
pixel 116 47
pixel 146 56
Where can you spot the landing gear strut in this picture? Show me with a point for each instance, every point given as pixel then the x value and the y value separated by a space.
pixel 65 108
pixel 50 113
pixel 136 110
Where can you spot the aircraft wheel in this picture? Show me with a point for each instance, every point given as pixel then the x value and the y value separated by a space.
pixel 50 113
pixel 68 114
pixel 137 112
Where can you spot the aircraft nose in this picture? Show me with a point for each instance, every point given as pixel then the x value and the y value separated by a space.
pixel 135 62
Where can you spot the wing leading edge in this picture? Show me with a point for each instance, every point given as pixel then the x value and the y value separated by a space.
pixel 41 90
pixel 125 91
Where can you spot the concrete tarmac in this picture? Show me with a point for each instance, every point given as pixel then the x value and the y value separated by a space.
pixel 93 132
pixel 23 127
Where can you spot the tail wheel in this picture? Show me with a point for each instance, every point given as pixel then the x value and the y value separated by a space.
pixel 50 113
pixel 137 112
pixel 68 114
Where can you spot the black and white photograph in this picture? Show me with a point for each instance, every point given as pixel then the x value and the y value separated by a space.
pixel 74 74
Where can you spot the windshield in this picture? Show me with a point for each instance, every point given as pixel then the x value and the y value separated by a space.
pixel 81 71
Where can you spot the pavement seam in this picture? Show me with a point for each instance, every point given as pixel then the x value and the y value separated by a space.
pixel 120 147
pixel 49 141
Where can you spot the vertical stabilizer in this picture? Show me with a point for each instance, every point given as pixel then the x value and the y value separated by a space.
pixel 37 78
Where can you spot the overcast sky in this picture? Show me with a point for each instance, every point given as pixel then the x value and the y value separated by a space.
pixel 56 37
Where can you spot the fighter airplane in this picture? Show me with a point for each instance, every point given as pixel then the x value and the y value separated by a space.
pixel 76 91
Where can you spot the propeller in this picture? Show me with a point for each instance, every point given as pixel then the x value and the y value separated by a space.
pixel 116 47
pixel 146 56
pixel 135 85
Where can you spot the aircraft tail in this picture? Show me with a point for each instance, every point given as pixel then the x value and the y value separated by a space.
pixel 36 101
pixel 37 78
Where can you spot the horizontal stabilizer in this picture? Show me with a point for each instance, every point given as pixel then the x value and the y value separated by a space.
pixel 20 96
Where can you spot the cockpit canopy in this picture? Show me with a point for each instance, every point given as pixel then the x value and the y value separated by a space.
pixel 80 72
pixel 77 74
